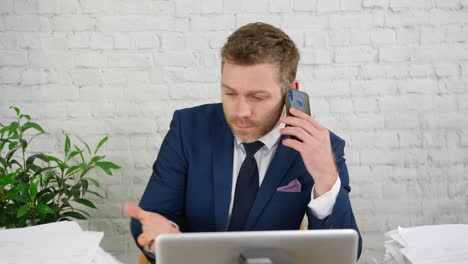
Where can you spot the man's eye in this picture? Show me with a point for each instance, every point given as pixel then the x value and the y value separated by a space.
pixel 230 94
pixel 258 98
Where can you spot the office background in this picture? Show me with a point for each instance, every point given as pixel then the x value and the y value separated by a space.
pixel 389 76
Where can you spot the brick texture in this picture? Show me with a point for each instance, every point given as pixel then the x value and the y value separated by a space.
pixel 389 76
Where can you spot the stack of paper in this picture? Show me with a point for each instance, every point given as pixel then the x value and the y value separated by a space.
pixel 61 242
pixel 446 244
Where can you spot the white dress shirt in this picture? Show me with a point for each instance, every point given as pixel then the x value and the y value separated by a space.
pixel 321 206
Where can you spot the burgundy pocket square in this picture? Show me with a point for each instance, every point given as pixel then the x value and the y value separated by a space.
pixel 293 186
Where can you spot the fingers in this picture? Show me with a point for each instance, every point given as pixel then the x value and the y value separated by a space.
pixel 298 132
pixel 310 134
pixel 294 144
pixel 300 123
pixel 307 123
pixel 134 211
pixel 297 113
pixel 144 239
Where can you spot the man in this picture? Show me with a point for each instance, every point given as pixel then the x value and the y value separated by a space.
pixel 232 167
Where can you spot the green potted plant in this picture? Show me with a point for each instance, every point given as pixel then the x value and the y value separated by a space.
pixel 36 188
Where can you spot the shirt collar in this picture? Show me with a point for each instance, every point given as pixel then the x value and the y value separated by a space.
pixel 269 140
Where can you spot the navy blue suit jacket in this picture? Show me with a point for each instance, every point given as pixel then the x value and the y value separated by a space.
pixel 192 180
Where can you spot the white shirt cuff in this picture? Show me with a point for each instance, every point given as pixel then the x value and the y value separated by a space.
pixel 322 206
pixel 174 224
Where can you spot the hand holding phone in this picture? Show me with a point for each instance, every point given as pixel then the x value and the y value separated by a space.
pixel 315 148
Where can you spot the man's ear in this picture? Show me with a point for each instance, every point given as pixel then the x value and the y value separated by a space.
pixel 294 85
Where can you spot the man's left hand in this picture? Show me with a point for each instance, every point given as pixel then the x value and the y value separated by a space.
pixel 315 148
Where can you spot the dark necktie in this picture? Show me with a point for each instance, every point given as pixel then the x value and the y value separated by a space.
pixel 246 187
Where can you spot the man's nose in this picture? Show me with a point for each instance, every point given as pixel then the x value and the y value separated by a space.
pixel 244 109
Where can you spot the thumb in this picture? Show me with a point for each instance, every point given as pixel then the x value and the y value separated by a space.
pixel 134 211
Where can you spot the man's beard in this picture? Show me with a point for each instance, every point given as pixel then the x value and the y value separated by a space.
pixel 260 129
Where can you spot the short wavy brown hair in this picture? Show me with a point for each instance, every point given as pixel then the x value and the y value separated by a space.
pixel 263 43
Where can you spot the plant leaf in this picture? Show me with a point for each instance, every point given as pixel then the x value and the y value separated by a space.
pixel 16 109
pixel 12 145
pixel 67 145
pixel 10 154
pixel 47 197
pixel 21 222
pixel 95 182
pixel 82 211
pixel 80 151
pixel 4 163
pixel 72 169
pixel 33 186
pixel 75 191
pixel 60 163
pixel 84 183
pixel 85 202
pixel 44 208
pixel 4 129
pixel 22 211
pixel 17 197
pixel 87 146
pixel 15 135
pixel 106 166
pixel 8 179
pixel 12 128
pixel 26 116
pixel 2 218
pixel 29 125
pixel 100 144
pixel 75 215
pixel 14 189
pixel 73 154
pixel 40 156
pixel 54 208
pixel 97 158
pixel 16 162
pixel 97 194
pixel 65 202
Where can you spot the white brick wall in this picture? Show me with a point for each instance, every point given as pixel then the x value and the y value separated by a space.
pixel 390 76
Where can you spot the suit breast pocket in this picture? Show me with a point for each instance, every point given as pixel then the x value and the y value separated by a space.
pixel 285 210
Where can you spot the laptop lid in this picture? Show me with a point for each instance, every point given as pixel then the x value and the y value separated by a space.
pixel 338 246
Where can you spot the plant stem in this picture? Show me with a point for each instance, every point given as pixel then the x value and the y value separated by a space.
pixel 23 150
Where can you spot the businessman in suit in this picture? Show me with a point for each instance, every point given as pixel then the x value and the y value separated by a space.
pixel 232 167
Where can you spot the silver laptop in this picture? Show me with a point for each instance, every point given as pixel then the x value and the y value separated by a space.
pixel 259 247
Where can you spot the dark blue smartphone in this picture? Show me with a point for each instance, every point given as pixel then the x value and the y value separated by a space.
pixel 297 99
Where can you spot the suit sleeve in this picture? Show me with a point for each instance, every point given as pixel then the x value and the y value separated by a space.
pixel 165 191
pixel 342 216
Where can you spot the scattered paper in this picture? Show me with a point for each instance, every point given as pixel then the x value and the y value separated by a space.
pixel 61 242
pixel 427 245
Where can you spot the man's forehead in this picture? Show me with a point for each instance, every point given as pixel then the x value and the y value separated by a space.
pixel 235 73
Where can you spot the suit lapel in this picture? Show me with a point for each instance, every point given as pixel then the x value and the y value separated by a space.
pixel 222 159
pixel 279 165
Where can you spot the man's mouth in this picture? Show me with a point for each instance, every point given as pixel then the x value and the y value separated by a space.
pixel 243 127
